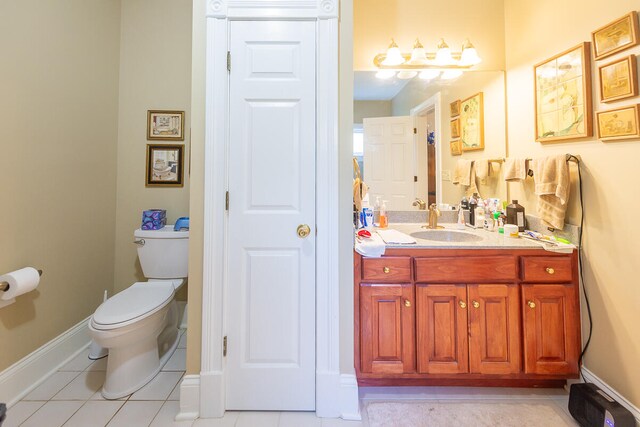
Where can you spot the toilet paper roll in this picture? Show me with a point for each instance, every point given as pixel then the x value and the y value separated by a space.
pixel 20 282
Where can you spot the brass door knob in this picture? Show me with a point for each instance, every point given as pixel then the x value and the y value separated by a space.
pixel 303 231
pixel 476 304
pixel 386 270
pixel 550 270
pixel 462 304
pixel 531 304
pixel 407 303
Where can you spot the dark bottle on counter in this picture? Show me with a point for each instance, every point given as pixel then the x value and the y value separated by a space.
pixel 515 215
pixel 473 203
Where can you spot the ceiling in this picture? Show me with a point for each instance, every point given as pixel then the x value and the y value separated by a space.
pixel 366 87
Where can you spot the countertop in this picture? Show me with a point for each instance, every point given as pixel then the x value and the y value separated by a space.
pixel 490 240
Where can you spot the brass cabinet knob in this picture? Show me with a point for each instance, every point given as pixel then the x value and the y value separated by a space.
pixel 303 231
pixel 476 304
pixel 462 304
pixel 407 303
pixel 550 270
pixel 386 270
pixel 531 304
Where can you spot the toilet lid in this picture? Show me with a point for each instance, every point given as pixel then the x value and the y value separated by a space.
pixel 134 302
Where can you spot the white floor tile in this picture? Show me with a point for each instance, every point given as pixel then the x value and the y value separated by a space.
pixel 337 422
pixel 136 414
pixel 51 386
pixel 167 415
pixel 254 419
pixel 183 341
pixel 175 394
pixel 53 414
pixel 20 412
pixel 94 414
pixel 158 388
pixel 299 419
pixel 98 396
pixel 82 387
pixel 177 362
pixel 99 365
pixel 78 363
pixel 229 420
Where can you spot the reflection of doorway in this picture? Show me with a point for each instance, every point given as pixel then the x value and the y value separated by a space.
pixel 428 147
pixel 431 156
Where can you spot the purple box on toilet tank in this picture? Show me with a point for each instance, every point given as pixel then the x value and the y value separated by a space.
pixel 154 219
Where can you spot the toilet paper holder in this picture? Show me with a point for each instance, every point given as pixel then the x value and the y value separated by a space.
pixel 4 286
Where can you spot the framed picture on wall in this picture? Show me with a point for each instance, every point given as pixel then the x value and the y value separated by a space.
pixel 165 165
pixel 618 79
pixel 165 125
pixel 563 96
pixel 454 108
pixel 472 123
pixel 456 148
pixel 620 123
pixel 455 128
pixel 616 36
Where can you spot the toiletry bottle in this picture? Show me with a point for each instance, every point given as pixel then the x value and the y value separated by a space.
pixel 473 202
pixel 384 221
pixel 464 203
pixel 479 220
pixel 515 215
pixel 376 209
pixel 461 222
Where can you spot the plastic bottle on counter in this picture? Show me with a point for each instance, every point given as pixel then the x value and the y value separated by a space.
pixel 384 221
pixel 479 214
pixel 515 215
pixel 473 202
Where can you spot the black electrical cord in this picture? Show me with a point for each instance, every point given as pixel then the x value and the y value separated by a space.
pixel 584 290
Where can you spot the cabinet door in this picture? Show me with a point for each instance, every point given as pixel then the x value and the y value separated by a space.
pixel 494 326
pixel 441 329
pixel 551 324
pixel 387 328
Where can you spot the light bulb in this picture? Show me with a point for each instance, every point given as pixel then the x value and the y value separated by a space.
pixel 394 56
pixel 385 74
pixel 451 74
pixel 418 55
pixel 406 75
pixel 443 55
pixel 469 54
pixel 429 74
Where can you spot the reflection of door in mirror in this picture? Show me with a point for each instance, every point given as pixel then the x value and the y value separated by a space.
pixel 425 122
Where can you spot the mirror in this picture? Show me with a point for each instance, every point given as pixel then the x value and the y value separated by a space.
pixel 401 164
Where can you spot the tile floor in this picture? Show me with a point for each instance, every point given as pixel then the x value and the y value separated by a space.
pixel 71 398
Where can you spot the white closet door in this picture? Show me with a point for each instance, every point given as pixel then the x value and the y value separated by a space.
pixel 389 160
pixel 271 278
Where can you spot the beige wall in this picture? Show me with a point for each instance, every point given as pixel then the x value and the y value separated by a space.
pixel 377 21
pixel 610 172
pixel 367 109
pixel 155 74
pixel 59 105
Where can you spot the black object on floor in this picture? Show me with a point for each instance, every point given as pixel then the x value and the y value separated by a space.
pixel 3 413
pixel 592 407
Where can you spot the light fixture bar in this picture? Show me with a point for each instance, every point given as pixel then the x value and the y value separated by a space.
pixel 377 61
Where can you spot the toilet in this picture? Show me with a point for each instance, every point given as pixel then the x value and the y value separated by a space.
pixel 139 326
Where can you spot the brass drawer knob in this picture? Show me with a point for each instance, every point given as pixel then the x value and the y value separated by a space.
pixel 407 303
pixel 476 304
pixel 462 304
pixel 531 304
pixel 386 270
pixel 549 270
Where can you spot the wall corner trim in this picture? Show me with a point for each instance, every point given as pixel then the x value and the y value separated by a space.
pixel 345 387
pixel 189 398
pixel 22 377
pixel 593 378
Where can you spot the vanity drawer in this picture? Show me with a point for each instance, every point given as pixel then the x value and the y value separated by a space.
pixel 466 269
pixel 386 269
pixel 546 269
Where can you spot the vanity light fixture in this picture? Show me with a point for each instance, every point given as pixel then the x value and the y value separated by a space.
pixel 406 74
pixel 443 54
pixel 450 74
pixel 393 56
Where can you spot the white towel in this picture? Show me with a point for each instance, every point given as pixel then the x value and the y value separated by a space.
pixel 515 169
pixel 373 247
pixel 395 237
pixel 551 176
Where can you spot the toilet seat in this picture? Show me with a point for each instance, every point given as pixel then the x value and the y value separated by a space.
pixel 140 300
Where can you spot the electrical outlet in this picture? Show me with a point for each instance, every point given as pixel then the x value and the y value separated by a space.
pixel 446 175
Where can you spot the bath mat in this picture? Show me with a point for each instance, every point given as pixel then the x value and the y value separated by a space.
pixel 427 414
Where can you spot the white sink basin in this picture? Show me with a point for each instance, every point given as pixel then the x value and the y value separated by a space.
pixel 447 236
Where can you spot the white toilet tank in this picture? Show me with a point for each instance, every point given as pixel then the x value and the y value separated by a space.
pixel 164 253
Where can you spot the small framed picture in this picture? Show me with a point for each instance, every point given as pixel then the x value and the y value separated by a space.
pixel 472 123
pixel 165 165
pixel 455 128
pixel 456 147
pixel 454 107
pixel 165 125
pixel 616 36
pixel 618 79
pixel 621 123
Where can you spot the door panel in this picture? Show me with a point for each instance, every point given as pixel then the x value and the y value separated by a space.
pixel 270 297
pixel 494 325
pixel 441 329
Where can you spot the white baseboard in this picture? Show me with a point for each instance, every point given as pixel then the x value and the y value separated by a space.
pixel 212 397
pixel 22 377
pixel 349 398
pixel 337 396
pixel 189 398
pixel 593 378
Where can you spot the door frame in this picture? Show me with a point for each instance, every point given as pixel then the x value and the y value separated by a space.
pixel 336 394
pixel 434 102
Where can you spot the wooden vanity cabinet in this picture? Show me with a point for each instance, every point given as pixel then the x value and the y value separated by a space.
pixel 467 317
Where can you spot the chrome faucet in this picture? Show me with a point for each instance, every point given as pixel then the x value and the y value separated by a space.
pixel 434 213
pixel 422 205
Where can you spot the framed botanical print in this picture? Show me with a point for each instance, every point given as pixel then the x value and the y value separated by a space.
pixel 455 128
pixel 621 123
pixel 563 96
pixel 472 123
pixel 455 147
pixel 165 165
pixel 165 125
pixel 454 108
pixel 616 36
pixel 618 79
